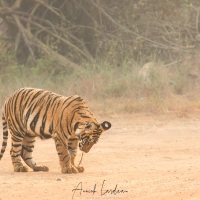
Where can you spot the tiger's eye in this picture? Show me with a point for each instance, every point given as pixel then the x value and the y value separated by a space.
pixel 89 126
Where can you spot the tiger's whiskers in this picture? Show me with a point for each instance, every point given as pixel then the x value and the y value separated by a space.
pixel 80 159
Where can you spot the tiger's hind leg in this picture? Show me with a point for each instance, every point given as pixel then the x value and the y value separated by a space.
pixel 26 153
pixel 15 153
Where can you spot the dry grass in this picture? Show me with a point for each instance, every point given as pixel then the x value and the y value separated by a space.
pixel 109 89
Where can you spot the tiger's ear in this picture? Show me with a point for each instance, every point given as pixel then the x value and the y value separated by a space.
pixel 76 129
pixel 76 126
pixel 106 125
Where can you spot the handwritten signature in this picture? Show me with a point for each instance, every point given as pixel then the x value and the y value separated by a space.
pixel 102 190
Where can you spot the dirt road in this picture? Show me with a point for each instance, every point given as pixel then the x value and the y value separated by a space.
pixel 142 157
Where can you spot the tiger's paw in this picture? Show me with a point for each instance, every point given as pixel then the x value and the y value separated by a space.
pixel 20 168
pixel 40 168
pixel 69 170
pixel 80 169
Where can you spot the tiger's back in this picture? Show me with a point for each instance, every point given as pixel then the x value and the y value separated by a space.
pixel 32 111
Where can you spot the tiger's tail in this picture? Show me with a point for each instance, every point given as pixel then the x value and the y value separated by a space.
pixel 5 136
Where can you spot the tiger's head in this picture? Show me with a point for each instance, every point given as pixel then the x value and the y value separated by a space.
pixel 89 133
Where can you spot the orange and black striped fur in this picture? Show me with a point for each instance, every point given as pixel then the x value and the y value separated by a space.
pixel 31 113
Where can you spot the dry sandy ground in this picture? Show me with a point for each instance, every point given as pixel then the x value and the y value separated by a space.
pixel 143 157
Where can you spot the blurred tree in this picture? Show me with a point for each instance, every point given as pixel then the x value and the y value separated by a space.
pixel 84 30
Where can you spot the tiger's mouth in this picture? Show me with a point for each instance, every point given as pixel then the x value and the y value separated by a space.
pixel 86 144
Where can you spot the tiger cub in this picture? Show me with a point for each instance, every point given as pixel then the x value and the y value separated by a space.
pixel 31 113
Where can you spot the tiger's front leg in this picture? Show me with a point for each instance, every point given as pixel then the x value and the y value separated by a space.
pixel 72 147
pixel 64 156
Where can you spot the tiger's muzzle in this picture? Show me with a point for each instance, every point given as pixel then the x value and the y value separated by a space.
pixel 86 144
